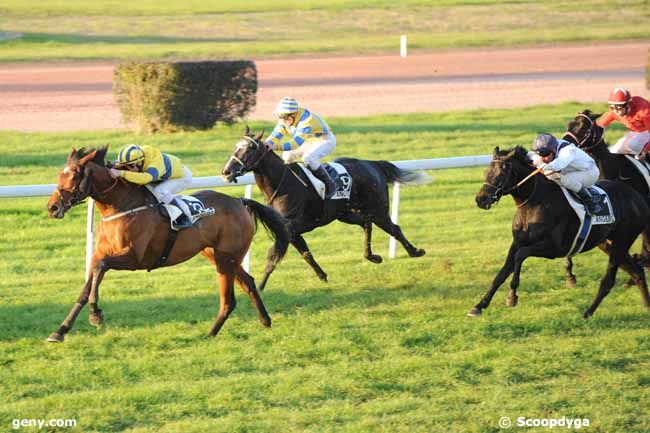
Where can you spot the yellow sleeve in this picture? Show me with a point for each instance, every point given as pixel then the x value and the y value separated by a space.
pixel 152 169
pixel 135 177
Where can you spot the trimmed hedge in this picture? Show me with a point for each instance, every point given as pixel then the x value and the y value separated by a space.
pixel 171 96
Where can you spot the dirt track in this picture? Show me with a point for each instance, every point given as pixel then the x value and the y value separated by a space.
pixel 37 97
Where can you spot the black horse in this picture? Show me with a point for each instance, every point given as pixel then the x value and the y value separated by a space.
pixel 545 225
pixel 586 134
pixel 287 189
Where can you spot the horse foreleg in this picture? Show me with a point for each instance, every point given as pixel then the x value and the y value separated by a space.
pixel 395 231
pixel 272 260
pixel 58 335
pixel 299 244
pixel 645 248
pixel 247 283
pixel 541 249
pixel 227 302
pixel 568 269
pixel 505 271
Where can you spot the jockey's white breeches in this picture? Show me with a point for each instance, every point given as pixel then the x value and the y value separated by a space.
pixel 312 151
pixel 166 190
pixel 576 180
pixel 631 143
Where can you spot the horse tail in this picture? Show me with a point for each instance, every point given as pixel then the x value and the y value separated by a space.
pixel 276 226
pixel 408 177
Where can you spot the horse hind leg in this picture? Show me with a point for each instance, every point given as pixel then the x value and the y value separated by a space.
pixel 299 244
pixel 570 276
pixel 357 219
pixel 637 274
pixel 227 302
pixel 247 284
pixel 395 231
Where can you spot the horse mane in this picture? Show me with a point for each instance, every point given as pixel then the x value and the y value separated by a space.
pixel 99 157
pixel 592 115
pixel 518 153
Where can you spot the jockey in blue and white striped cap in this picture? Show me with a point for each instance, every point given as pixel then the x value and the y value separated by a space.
pixel 303 134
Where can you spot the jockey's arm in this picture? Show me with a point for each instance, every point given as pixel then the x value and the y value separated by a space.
pixel 564 158
pixel 606 119
pixel 137 177
pixel 152 171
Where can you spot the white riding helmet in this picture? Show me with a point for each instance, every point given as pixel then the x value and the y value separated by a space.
pixel 286 105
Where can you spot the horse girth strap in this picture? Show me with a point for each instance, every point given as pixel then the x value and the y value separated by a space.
pixel 171 240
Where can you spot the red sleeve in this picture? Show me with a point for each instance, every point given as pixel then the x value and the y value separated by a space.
pixel 604 120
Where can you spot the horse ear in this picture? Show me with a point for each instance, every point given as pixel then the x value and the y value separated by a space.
pixel 259 136
pixel 247 130
pixel 87 158
pixel 72 153
pixel 495 152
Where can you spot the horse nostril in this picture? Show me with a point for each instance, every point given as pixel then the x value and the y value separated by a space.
pixel 54 208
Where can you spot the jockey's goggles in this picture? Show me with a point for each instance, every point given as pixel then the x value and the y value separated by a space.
pixel 543 152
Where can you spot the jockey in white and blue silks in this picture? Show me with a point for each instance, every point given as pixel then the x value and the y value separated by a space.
pixel 567 165
pixel 302 133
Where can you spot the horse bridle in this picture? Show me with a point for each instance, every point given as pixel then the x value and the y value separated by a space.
pixel 75 196
pixel 499 190
pixel 588 136
pixel 245 168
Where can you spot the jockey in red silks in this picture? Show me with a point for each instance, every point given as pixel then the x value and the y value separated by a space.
pixel 634 113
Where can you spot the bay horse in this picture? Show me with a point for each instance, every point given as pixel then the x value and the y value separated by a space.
pixel 133 234
pixel 545 225
pixel 584 132
pixel 287 189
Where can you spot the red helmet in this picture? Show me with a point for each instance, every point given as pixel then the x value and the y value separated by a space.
pixel 619 96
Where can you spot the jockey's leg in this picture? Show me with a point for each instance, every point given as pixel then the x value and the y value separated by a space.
pixel 314 151
pixel 631 143
pixel 578 181
pixel 166 191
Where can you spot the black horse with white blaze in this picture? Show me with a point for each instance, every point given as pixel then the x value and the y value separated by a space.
pixel 545 225
pixel 287 189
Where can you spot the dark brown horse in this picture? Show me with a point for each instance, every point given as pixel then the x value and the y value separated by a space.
pixel 137 236
pixel 545 225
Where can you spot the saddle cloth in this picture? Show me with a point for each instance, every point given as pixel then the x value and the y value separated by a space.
pixel 587 221
pixel 339 175
pixel 196 206
pixel 642 166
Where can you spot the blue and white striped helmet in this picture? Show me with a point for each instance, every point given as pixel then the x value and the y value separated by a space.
pixel 286 105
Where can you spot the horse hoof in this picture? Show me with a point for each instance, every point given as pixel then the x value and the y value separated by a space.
pixel 511 301
pixel 374 258
pixel 474 312
pixel 266 322
pixel 96 319
pixel 586 315
pixel 323 277
pixel 418 253
pixel 571 283
pixel 55 337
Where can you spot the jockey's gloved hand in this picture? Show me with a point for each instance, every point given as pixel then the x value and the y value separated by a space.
pixel 269 146
pixel 114 173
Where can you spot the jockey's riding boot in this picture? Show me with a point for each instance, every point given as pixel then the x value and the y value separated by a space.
pixel 330 186
pixel 592 205
pixel 185 220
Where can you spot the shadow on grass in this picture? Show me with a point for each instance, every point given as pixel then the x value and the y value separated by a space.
pixel 38 320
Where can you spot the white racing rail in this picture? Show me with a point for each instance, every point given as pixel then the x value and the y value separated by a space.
pixel 248 180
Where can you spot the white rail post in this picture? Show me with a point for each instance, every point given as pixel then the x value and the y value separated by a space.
pixel 248 193
pixel 90 233
pixel 393 217
pixel 402 46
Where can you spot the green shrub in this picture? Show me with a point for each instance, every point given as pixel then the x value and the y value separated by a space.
pixel 170 96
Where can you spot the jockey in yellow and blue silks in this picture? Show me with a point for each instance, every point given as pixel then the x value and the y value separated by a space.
pixel 146 164
pixel 302 133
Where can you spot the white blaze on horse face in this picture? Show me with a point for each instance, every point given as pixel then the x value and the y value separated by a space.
pixel 67 169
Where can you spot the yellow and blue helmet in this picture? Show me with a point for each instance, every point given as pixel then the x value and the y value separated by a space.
pixel 131 154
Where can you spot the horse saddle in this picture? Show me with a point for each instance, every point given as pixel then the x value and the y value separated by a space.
pixel 642 167
pixel 178 219
pixel 605 214
pixel 339 175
